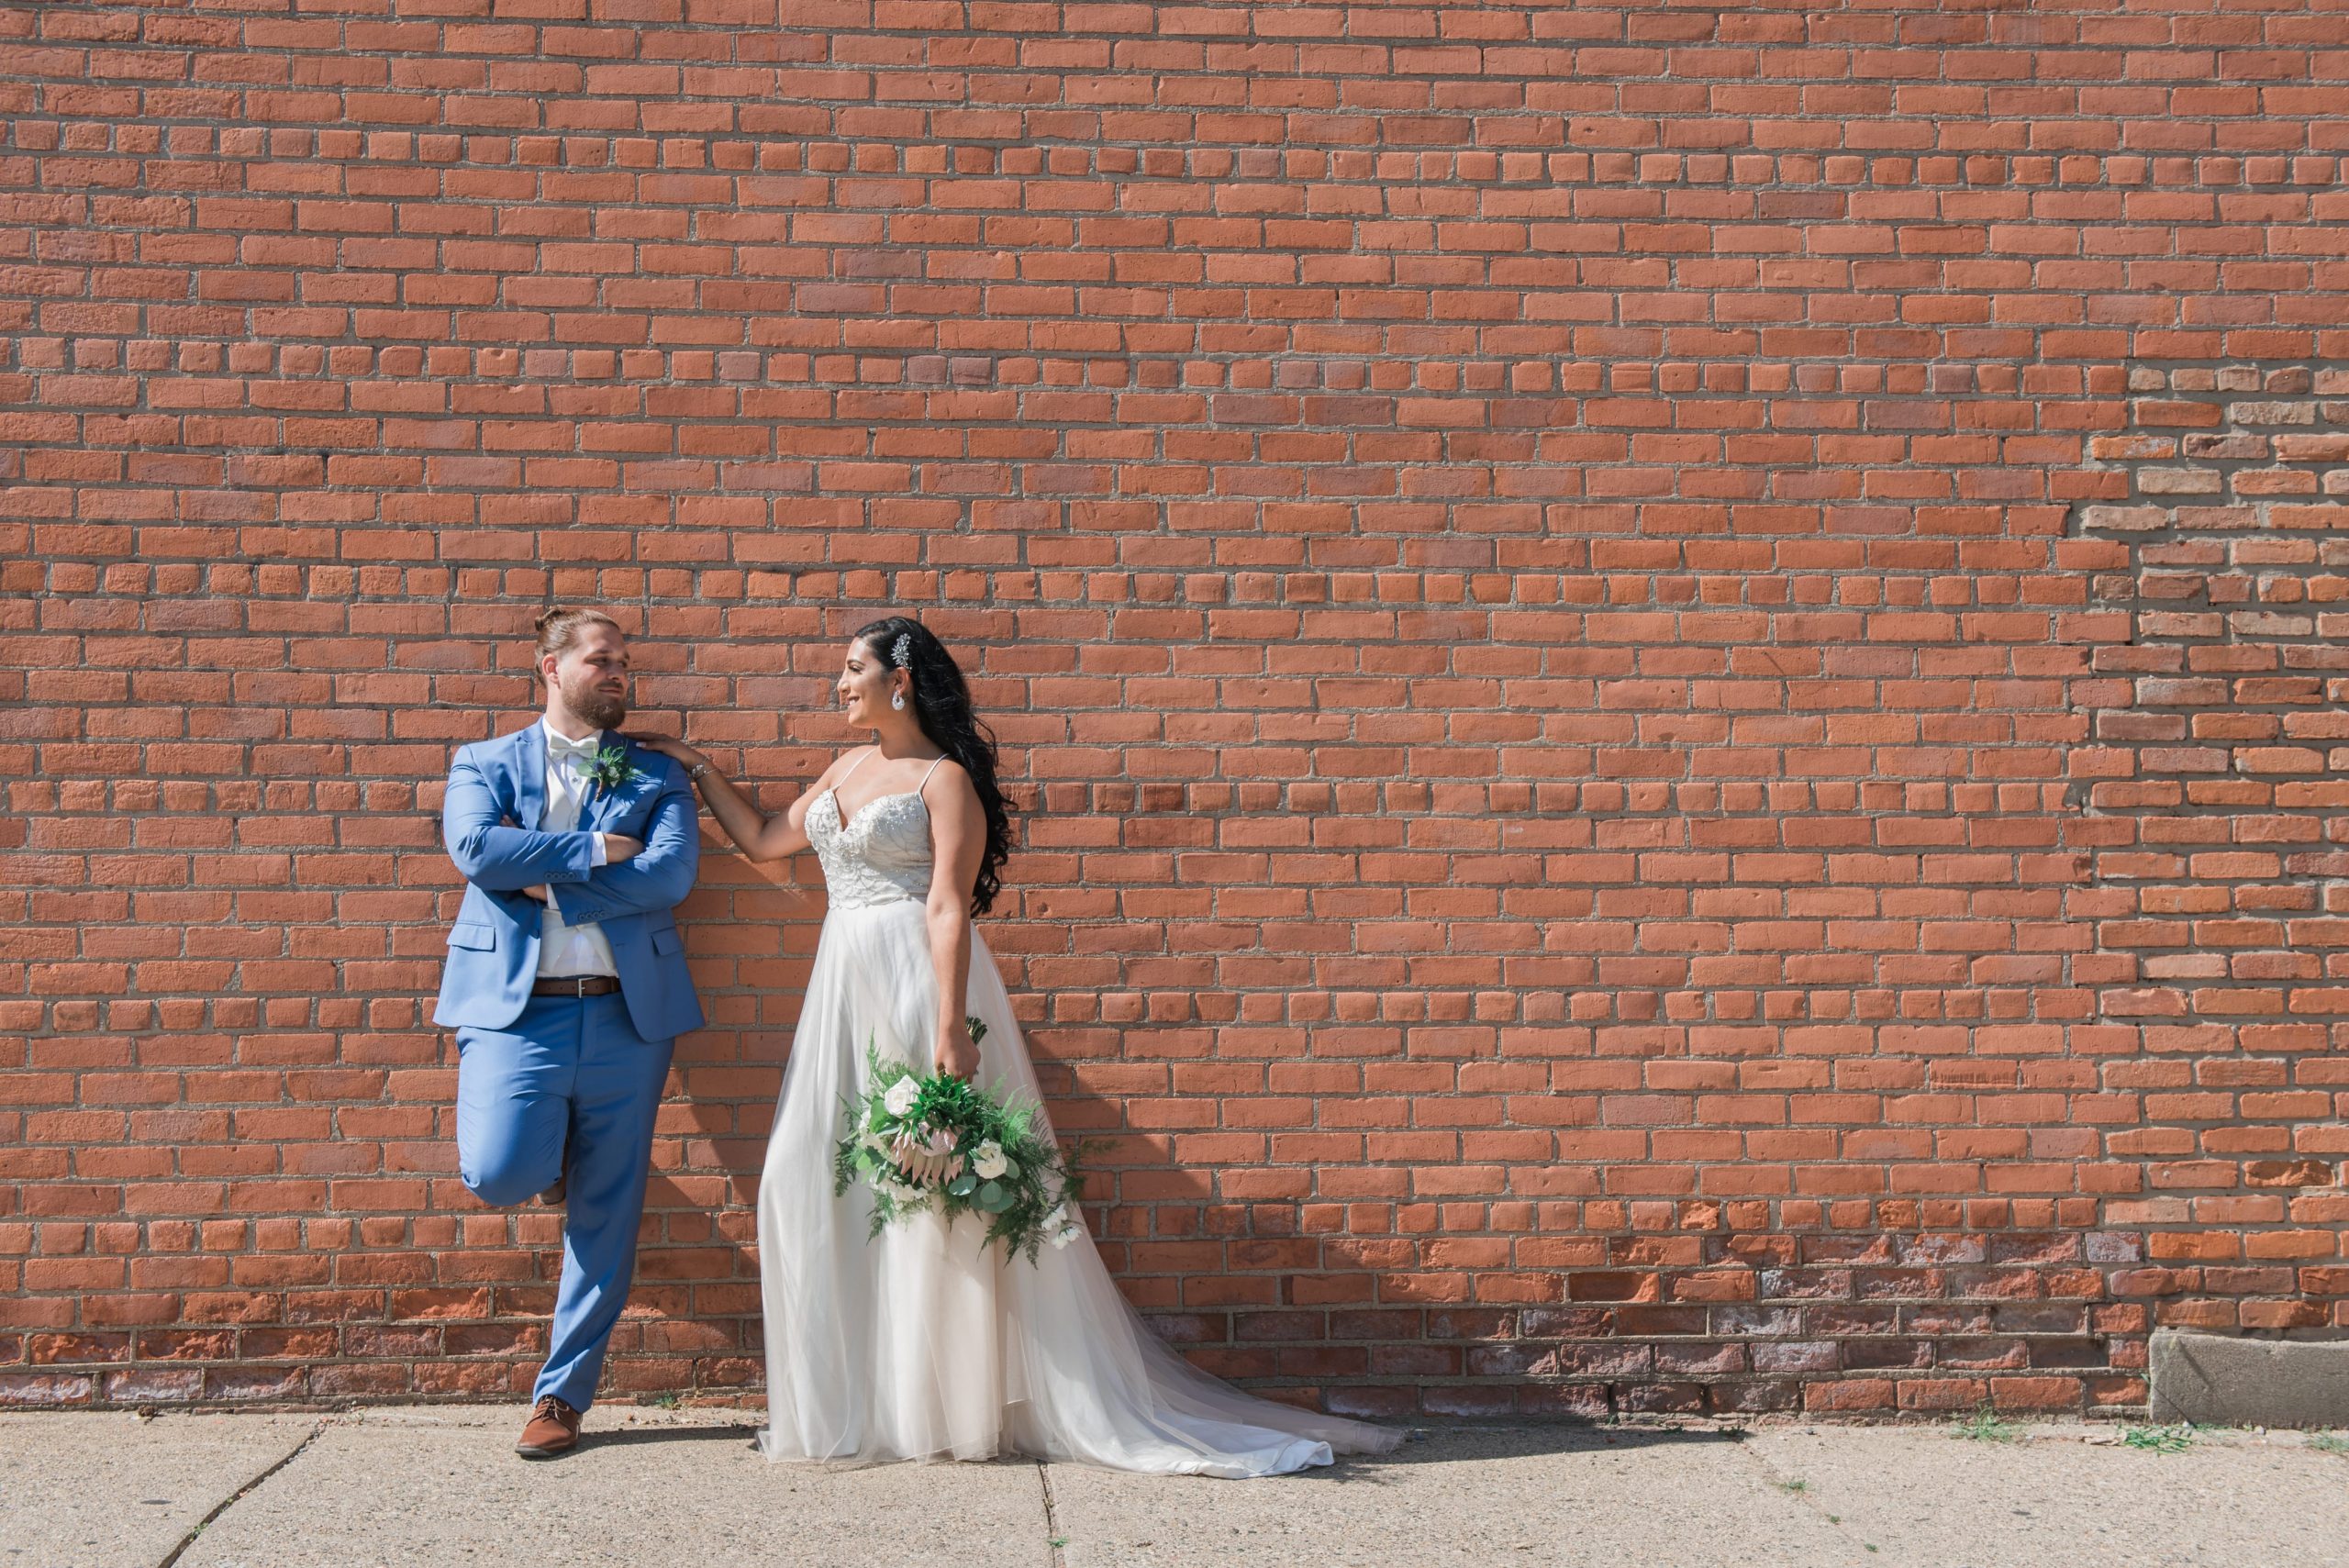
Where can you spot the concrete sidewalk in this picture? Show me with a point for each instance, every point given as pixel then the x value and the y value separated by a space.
pixel 387 1488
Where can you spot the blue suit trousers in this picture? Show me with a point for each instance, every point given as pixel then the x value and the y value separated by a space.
pixel 569 1089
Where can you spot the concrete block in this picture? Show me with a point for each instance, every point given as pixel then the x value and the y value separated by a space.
pixel 2218 1381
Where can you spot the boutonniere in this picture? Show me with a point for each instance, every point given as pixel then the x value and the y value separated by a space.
pixel 611 770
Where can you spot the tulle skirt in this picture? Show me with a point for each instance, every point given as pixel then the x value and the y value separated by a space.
pixel 926 1344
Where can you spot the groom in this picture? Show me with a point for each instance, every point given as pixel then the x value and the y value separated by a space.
pixel 566 983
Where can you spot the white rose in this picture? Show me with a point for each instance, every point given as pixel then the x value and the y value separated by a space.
pixel 901 1096
pixel 988 1161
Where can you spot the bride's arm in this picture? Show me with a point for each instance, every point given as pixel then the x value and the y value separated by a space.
pixel 760 837
pixel 958 833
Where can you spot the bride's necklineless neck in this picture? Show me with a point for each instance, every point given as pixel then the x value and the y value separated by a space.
pixel 844 818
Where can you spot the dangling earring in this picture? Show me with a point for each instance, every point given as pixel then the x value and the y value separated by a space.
pixel 897 701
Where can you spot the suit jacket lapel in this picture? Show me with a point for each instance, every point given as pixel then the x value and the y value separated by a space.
pixel 529 779
pixel 600 802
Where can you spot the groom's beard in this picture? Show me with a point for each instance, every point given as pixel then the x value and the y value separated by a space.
pixel 596 709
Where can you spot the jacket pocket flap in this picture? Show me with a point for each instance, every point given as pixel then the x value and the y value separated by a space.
pixel 473 934
pixel 666 940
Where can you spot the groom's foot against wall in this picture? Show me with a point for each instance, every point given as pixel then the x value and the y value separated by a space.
pixel 553 1429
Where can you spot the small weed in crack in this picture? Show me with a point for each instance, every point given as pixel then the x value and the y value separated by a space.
pixel 1984 1426
pixel 2160 1440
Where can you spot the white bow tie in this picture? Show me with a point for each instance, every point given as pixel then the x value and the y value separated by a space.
pixel 557 747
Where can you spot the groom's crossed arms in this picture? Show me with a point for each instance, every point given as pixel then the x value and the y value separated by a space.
pixel 500 858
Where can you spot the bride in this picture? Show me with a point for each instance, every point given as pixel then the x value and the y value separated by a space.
pixel 925 1343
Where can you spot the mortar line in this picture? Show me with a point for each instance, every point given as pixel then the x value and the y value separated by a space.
pixel 238 1496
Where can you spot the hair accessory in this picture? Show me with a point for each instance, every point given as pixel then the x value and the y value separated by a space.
pixel 901 651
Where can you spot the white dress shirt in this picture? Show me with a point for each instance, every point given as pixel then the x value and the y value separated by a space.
pixel 565 949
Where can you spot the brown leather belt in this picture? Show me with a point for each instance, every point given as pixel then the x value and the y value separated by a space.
pixel 576 985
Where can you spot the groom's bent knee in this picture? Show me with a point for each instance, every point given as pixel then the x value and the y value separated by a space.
pixel 505 1182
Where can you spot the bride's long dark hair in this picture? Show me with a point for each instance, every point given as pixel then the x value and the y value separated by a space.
pixel 941 701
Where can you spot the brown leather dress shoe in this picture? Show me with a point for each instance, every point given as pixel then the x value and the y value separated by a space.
pixel 553 1429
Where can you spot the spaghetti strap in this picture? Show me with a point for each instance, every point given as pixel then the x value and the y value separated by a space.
pixel 854 766
pixel 925 778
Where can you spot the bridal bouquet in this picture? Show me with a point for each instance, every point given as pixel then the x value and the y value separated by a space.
pixel 942 1145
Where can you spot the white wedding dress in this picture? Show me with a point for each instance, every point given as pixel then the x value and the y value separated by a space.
pixel 926 1344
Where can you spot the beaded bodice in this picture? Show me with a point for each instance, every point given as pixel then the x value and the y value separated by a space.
pixel 881 855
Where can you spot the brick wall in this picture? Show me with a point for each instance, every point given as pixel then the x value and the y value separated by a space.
pixel 1671 667
pixel 2219 795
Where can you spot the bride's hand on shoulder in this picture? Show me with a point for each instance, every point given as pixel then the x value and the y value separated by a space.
pixel 957 1054
pixel 670 748
pixel 760 837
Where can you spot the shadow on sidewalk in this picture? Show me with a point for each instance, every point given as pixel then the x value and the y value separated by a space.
pixel 1482 1445
pixel 745 1433
pixel 1439 1445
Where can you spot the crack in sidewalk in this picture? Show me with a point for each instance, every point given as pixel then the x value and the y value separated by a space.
pixel 1054 1539
pixel 238 1496
pixel 1800 1491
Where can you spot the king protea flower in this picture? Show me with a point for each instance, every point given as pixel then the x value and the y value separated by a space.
pixel 927 1155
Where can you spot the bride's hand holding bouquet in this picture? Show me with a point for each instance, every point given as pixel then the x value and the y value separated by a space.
pixel 957 1054
pixel 942 1144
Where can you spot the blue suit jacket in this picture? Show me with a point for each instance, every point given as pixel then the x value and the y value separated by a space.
pixel 494 786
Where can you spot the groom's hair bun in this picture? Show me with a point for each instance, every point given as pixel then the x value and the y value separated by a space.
pixel 559 629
